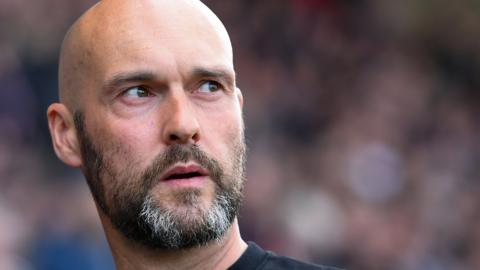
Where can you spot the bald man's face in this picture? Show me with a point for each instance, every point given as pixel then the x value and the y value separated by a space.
pixel 159 120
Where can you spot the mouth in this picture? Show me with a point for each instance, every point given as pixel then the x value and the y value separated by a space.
pixel 185 173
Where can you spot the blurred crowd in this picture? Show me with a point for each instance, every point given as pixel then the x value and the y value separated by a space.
pixel 362 121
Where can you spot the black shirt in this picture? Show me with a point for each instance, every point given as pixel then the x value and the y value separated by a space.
pixel 255 258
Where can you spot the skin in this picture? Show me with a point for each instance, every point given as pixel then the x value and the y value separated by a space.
pixel 178 51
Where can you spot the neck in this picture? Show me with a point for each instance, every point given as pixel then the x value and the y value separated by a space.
pixel 216 255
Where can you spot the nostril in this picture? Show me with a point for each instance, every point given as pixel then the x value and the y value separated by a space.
pixel 195 137
pixel 174 137
pixel 183 138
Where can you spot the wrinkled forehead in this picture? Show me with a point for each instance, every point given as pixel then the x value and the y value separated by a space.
pixel 115 31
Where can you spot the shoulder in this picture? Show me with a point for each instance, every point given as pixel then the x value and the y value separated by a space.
pixel 273 261
pixel 256 258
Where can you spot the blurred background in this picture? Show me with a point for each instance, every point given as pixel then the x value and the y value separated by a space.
pixel 363 124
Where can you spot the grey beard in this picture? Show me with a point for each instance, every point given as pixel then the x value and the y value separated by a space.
pixel 164 225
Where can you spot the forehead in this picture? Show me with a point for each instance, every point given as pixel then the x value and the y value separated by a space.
pixel 155 34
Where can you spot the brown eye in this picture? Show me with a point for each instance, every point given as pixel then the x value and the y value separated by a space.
pixel 136 92
pixel 209 87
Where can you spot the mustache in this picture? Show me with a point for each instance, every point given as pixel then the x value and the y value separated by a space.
pixel 178 153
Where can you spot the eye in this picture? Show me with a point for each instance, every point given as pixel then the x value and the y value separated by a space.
pixel 137 92
pixel 209 87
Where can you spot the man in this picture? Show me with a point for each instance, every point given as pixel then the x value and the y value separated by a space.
pixel 151 114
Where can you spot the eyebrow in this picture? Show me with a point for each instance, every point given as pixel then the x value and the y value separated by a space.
pixel 122 78
pixel 127 77
pixel 220 73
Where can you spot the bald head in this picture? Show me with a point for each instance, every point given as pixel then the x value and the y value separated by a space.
pixel 114 33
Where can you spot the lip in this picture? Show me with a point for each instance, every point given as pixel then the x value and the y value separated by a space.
pixel 184 169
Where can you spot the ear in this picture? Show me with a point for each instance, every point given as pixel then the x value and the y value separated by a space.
pixel 239 97
pixel 64 135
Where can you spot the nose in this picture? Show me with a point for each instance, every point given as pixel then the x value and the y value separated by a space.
pixel 181 125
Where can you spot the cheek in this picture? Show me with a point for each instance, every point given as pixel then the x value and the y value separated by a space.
pixel 127 145
pixel 221 135
pixel 125 163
